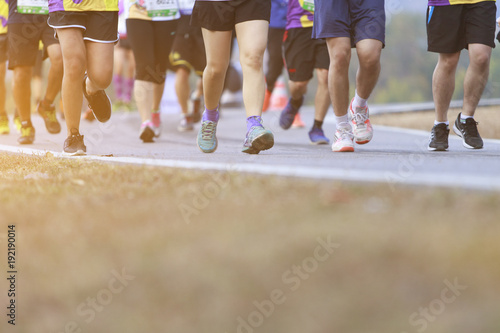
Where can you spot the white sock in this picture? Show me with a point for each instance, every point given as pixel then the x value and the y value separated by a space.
pixel 342 119
pixel 358 101
pixel 441 122
pixel 465 117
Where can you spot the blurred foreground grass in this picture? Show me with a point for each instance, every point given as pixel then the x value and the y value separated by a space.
pixel 246 256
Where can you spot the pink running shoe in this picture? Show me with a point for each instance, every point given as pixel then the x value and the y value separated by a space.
pixel 361 126
pixel 343 140
pixel 156 122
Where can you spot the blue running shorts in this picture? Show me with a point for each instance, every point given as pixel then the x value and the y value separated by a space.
pixel 356 19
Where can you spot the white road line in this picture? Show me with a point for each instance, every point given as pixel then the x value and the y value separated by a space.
pixel 392 179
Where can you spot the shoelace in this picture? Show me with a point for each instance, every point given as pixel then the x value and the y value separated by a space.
pixel 73 138
pixel 51 115
pixel 360 118
pixel 471 127
pixel 439 133
pixel 344 133
pixel 207 130
pixel 25 131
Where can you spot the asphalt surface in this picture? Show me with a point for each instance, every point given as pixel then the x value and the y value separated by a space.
pixel 394 156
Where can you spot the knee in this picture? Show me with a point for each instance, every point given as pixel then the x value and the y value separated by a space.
pixel 370 61
pixel 74 67
pixel 22 74
pixel 448 63
pixel 102 79
pixel 340 60
pixel 215 70
pixel 298 88
pixel 481 60
pixel 252 60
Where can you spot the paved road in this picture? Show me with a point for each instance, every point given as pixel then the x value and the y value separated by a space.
pixel 395 156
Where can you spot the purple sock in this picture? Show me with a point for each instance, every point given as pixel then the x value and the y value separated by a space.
pixel 253 121
pixel 212 115
pixel 118 85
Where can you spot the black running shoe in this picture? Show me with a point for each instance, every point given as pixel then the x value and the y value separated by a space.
pixel 99 103
pixel 439 137
pixel 73 145
pixel 467 130
pixel 48 113
pixel 27 133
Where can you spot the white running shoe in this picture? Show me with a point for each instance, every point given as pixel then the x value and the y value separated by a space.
pixel 361 126
pixel 343 140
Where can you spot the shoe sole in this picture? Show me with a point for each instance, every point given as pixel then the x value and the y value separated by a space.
pixel 147 135
pixel 321 142
pixel 437 148
pixel 344 150
pixel 79 152
pixel 264 141
pixel 457 132
pixel 362 141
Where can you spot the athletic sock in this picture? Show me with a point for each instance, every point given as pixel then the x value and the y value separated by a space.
pixel 253 121
pixel 27 123
pixel 211 115
pixel 463 118
pixel 358 101
pixel 317 124
pixel 342 119
pixel 441 122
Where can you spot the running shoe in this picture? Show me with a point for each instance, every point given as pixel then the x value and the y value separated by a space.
pixel 317 136
pixel 343 140
pixel 258 139
pixel 99 103
pixel 361 126
pixel 186 124
pixel 467 130
pixel 297 122
pixel 4 125
pixel 73 145
pixel 267 101
pixel 27 134
pixel 48 113
pixel 147 132
pixel 287 116
pixel 156 121
pixel 439 138
pixel 207 141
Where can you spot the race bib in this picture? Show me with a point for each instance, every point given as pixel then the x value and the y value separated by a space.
pixel 308 5
pixel 162 8
pixel 33 6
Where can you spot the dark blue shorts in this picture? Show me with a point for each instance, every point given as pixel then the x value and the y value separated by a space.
pixel 356 19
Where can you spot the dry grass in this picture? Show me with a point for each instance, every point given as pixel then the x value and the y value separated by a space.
pixel 488 118
pixel 77 221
